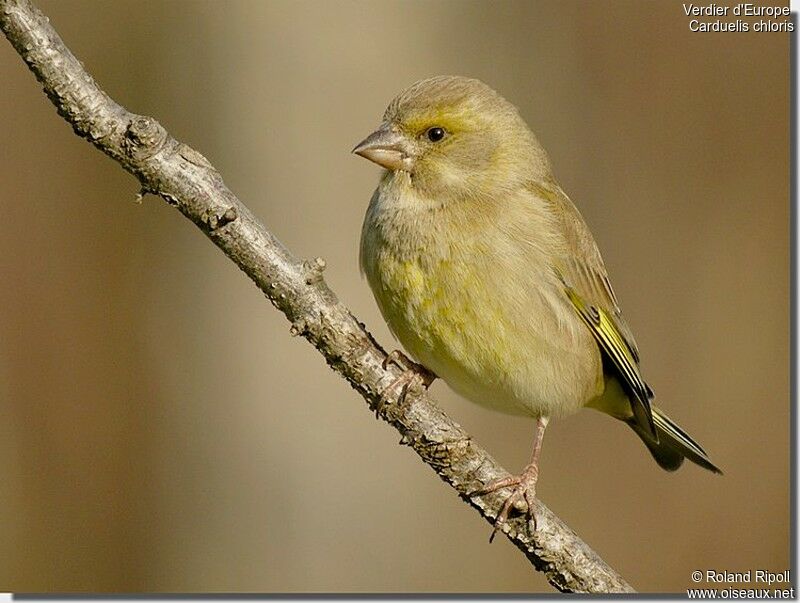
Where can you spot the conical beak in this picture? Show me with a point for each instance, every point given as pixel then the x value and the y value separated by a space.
pixel 387 148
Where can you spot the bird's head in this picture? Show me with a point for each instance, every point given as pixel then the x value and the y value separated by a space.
pixel 455 136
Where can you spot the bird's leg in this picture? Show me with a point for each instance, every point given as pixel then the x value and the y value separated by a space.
pixel 413 374
pixel 524 485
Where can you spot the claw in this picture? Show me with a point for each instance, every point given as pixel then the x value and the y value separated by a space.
pixel 413 374
pixel 497 484
pixel 394 358
pixel 521 491
pixel 406 380
pixel 531 515
pixel 523 486
pixel 401 361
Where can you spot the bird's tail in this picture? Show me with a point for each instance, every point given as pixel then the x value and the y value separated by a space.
pixel 673 444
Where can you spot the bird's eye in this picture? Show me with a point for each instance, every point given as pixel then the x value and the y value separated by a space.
pixel 435 134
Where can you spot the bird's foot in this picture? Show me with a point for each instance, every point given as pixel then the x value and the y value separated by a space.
pixel 402 361
pixel 414 375
pixel 523 489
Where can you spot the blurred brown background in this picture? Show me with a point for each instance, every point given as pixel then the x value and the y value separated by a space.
pixel 160 430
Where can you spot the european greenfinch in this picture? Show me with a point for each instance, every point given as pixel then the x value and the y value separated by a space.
pixel 488 275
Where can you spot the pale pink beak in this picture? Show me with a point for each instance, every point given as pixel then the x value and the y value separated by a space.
pixel 388 148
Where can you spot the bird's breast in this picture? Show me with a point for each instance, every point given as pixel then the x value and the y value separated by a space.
pixel 487 321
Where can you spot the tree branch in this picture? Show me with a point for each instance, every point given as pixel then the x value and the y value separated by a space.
pixel 186 180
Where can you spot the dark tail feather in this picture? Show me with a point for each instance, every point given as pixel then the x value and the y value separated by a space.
pixel 673 444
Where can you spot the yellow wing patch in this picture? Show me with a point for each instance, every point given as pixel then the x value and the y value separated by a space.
pixel 614 346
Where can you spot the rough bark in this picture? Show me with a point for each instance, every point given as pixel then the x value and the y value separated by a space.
pixel 186 180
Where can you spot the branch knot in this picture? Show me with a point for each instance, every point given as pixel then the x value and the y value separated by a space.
pixel 216 221
pixel 144 138
pixel 314 269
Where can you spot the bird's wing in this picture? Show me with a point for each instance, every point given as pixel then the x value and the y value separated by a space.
pixel 586 284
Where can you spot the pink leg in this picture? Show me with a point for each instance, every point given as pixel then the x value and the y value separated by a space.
pixel 524 485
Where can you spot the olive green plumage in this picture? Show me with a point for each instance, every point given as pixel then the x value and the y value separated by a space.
pixel 487 273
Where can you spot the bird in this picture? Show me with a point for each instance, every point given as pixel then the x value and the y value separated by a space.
pixel 487 274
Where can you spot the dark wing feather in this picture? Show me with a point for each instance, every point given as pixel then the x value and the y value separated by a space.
pixel 587 286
